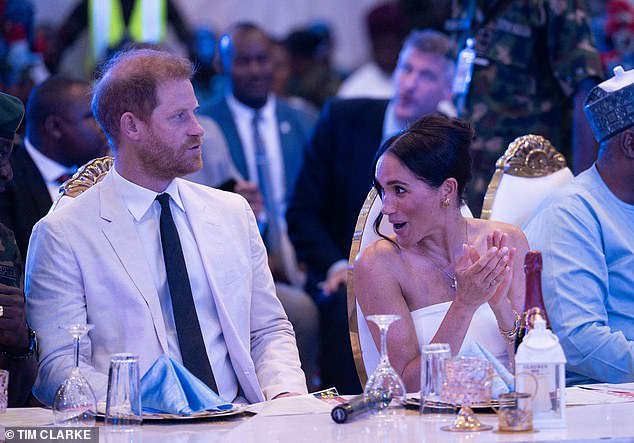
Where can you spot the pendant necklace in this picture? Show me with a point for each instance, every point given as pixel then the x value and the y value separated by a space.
pixel 452 278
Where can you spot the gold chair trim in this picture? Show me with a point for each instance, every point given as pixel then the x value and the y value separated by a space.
pixel 353 324
pixel 86 176
pixel 526 156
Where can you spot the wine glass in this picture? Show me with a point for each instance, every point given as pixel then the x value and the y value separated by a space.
pixel 467 380
pixel 385 388
pixel 75 403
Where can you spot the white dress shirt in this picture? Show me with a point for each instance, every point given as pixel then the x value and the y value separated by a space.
pixel 49 169
pixel 269 131
pixel 146 210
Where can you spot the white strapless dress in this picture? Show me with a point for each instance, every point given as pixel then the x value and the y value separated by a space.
pixel 482 330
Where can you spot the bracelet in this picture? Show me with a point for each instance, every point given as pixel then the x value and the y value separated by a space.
pixel 33 348
pixel 511 334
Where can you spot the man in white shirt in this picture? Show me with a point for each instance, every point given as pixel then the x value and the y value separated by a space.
pixel 158 264
pixel 61 135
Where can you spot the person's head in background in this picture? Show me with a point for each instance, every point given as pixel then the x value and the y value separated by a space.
pixel 386 28
pixel 203 55
pixel 247 61
pixel 60 123
pixel 609 113
pixel 423 75
pixel 281 60
pixel 11 113
pixel 146 105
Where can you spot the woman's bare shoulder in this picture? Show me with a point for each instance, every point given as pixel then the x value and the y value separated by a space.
pixel 379 253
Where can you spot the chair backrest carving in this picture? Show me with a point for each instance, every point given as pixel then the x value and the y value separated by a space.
pixel 532 167
pixel 85 177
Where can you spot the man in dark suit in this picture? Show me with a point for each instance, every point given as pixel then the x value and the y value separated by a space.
pixel 61 134
pixel 335 179
pixel 265 136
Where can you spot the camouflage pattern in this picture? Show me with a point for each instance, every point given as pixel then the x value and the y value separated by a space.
pixel 10 260
pixel 538 51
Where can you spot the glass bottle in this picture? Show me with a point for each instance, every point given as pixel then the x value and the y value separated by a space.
pixel 534 303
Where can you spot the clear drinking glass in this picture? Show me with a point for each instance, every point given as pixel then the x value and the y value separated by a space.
pixel 75 403
pixel 385 387
pixel 123 402
pixel 432 375
pixel 515 413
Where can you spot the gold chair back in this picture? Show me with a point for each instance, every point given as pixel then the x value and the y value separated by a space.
pixel 364 223
pixel 528 156
pixel 86 176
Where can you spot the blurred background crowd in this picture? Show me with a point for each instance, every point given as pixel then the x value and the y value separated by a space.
pixel 320 43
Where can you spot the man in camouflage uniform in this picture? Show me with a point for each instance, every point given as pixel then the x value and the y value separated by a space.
pixel 17 340
pixel 535 64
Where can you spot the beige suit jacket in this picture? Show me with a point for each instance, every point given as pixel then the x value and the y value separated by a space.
pixel 86 264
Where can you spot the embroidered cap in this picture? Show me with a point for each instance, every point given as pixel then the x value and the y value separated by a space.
pixel 609 106
pixel 11 113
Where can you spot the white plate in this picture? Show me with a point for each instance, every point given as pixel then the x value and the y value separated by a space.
pixel 235 410
pixel 415 403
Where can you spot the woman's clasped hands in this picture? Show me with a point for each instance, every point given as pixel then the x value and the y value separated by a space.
pixel 485 277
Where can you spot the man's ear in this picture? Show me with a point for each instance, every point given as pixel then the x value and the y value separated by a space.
pixel 627 146
pixel 53 126
pixel 131 127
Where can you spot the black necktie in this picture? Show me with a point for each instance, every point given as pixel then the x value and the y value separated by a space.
pixel 190 337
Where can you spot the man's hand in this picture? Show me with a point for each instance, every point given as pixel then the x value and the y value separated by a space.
pixel 14 335
pixel 251 193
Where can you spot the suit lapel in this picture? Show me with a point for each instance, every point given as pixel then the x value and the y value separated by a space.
pixel 208 234
pixel 228 125
pixel 119 229
pixel 34 182
pixel 291 141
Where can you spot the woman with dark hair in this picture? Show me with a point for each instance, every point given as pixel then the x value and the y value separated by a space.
pixel 451 279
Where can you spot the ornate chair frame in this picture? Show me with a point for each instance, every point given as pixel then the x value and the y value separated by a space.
pixel 85 177
pixel 528 156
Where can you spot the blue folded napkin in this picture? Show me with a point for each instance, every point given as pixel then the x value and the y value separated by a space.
pixel 502 378
pixel 168 387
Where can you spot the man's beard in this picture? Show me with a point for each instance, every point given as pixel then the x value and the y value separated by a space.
pixel 161 160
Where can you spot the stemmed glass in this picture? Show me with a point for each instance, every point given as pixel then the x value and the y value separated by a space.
pixel 385 388
pixel 467 380
pixel 75 403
